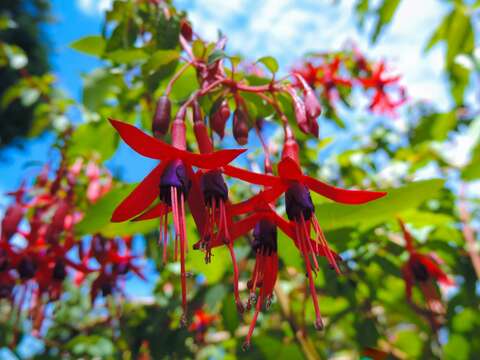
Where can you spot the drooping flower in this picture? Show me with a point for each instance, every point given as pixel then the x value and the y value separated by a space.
pixel 170 181
pixel 201 321
pixel 382 101
pixel 424 271
pixel 299 206
pixel 325 75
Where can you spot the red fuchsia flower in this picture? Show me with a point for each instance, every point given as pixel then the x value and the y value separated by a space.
pixel 382 102
pixel 299 206
pixel 210 206
pixel 170 181
pixel 201 321
pixel 424 271
pixel 114 265
pixel 325 75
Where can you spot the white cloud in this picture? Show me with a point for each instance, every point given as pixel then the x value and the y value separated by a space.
pixel 287 29
pixel 93 7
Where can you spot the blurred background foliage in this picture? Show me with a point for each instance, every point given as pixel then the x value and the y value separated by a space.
pixel 365 307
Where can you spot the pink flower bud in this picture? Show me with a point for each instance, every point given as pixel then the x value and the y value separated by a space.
pixel 300 112
pixel 312 106
pixel 219 119
pixel 240 126
pixel 161 119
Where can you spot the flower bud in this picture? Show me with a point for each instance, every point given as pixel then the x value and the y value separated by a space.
pixel 201 133
pixel 300 112
pixel 220 118
pixel 161 119
pixel 240 126
pixel 312 106
pixel 186 29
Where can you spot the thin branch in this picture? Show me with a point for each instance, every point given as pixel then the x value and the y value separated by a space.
pixel 305 343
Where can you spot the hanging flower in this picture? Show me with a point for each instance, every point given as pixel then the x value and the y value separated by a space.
pixel 170 181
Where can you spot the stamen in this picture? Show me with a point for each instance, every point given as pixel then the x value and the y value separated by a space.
pixel 309 243
pixel 313 293
pixel 183 246
pixel 246 344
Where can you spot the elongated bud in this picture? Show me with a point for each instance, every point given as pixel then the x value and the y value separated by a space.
pixel 312 106
pixel 290 146
pixel 220 118
pixel 186 29
pixel 200 129
pixel 161 119
pixel 240 126
pixel 179 131
pixel 300 111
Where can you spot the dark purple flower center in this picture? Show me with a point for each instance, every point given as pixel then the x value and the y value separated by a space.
pixel 27 268
pixel 107 288
pixel 4 263
pixel 5 290
pixel 298 202
pixel 265 237
pixel 213 186
pixel 59 271
pixel 122 268
pixel 420 271
pixel 174 175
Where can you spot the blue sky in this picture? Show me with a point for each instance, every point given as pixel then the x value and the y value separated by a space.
pixel 285 29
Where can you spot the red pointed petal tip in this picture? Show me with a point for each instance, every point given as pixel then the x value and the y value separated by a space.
pixel 344 196
pixel 289 169
pixel 142 143
pixel 153 213
pixel 250 177
pixel 141 197
pixel 213 160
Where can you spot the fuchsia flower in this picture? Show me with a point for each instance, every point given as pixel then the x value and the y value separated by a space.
pixel 324 75
pixel 299 206
pixel 114 264
pixel 170 181
pixel 424 271
pixel 382 102
pixel 201 321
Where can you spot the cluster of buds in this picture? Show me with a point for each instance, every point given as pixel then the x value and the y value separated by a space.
pixel 184 178
pixel 39 248
pixel 335 75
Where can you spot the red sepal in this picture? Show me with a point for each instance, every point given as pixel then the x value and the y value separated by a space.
pixel 141 197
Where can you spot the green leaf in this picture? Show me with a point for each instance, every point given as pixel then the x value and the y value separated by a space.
pixel 127 56
pixel 270 63
pixel 216 55
pixel 99 85
pixel 97 217
pixel 457 348
pixel 334 216
pixel 198 48
pixel 460 32
pixel 440 32
pixel 85 141
pixel 229 314
pixel 91 45
pixel 384 16
pixel 160 59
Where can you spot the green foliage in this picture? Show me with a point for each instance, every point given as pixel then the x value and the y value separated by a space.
pixel 23 61
pixel 364 307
